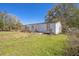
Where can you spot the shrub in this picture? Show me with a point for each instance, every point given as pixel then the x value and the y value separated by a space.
pixel 73 49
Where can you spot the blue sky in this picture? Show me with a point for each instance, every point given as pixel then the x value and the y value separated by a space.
pixel 28 12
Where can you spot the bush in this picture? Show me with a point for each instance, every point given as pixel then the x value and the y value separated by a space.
pixel 72 51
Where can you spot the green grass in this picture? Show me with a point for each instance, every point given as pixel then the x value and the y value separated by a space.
pixel 26 44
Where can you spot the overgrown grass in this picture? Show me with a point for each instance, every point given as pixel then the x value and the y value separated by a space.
pixel 31 44
pixel 73 48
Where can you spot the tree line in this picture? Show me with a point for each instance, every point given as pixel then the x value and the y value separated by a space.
pixel 9 22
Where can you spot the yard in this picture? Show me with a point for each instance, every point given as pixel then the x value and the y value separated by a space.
pixel 31 44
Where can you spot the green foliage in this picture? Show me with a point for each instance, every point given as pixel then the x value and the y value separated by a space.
pixel 9 22
pixel 68 14
pixel 1 24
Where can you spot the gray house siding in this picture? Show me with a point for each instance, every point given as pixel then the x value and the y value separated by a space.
pixel 46 28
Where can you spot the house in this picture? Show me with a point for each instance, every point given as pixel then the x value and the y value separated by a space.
pixel 54 28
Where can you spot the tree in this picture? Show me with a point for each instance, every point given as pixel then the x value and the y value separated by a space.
pixel 68 14
pixel 1 24
pixel 9 22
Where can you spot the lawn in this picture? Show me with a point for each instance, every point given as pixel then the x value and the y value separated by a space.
pixel 32 44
